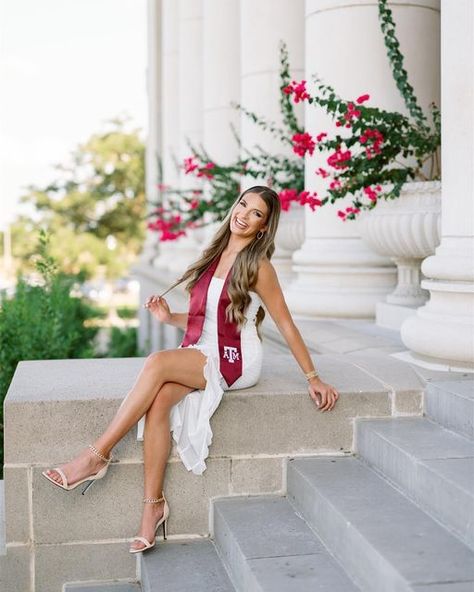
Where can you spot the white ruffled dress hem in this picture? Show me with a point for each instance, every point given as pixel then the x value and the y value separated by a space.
pixel 189 418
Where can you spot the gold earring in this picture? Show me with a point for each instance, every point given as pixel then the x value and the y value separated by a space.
pixel 261 234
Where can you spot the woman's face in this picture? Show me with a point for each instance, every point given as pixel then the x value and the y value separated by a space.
pixel 251 211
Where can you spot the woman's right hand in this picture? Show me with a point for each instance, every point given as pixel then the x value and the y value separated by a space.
pixel 159 308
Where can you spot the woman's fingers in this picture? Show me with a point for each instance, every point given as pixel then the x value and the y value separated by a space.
pixel 329 400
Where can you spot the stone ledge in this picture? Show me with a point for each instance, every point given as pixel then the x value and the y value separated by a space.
pixel 70 401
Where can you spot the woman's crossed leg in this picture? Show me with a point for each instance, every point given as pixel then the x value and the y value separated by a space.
pixel 183 366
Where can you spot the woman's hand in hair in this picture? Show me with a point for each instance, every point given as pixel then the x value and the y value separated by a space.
pixel 159 308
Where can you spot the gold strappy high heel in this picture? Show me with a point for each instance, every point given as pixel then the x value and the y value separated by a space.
pixel 90 478
pixel 163 520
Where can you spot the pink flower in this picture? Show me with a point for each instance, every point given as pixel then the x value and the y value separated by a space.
pixel 349 210
pixel 320 136
pixel 362 98
pixel 338 159
pixel 378 139
pixel 310 199
pixel 336 184
pixel 298 89
pixel 322 172
pixel 349 115
pixel 303 143
pixel 286 196
pixel 371 193
pixel 189 165
pixel 204 171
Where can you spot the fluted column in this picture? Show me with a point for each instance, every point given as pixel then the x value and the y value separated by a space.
pixel 221 83
pixel 221 78
pixel 154 133
pixel 441 334
pixel 263 25
pixel 168 112
pixel 338 276
pixel 152 153
pixel 187 109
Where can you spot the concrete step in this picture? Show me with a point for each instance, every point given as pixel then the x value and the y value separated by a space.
pixel 191 565
pixel 267 547
pixel 3 543
pixel 451 404
pixel 431 464
pixel 103 587
pixel 14 565
pixel 383 539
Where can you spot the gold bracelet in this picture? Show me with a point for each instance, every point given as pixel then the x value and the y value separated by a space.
pixel 311 374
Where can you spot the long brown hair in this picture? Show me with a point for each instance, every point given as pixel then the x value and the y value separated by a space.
pixel 245 268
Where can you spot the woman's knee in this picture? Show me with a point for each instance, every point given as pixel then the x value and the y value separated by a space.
pixel 153 361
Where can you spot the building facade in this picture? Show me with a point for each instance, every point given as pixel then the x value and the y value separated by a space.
pixel 205 54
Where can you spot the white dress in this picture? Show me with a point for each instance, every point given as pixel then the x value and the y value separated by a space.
pixel 189 418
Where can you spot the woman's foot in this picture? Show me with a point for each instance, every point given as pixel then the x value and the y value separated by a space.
pixel 151 515
pixel 84 465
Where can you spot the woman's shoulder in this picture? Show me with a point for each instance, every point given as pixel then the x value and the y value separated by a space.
pixel 265 270
pixel 264 264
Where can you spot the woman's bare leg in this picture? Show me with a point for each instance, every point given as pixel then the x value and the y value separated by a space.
pixel 156 450
pixel 183 366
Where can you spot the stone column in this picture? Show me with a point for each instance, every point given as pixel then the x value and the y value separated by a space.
pixel 152 153
pixel 185 104
pixel 169 113
pixel 441 334
pixel 221 78
pixel 263 25
pixel 221 83
pixel 338 276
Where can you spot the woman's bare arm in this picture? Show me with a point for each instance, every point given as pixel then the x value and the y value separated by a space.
pixel 179 319
pixel 269 290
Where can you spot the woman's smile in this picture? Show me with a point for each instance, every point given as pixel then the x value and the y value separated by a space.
pixel 240 223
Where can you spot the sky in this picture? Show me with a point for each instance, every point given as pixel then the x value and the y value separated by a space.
pixel 66 66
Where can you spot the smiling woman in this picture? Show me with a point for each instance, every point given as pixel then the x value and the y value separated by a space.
pixel 179 390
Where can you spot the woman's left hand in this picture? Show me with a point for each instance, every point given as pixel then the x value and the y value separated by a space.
pixel 324 395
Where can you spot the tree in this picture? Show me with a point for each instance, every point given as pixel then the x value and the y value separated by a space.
pixel 96 210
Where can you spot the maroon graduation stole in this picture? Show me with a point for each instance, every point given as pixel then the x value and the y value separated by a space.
pixel 228 334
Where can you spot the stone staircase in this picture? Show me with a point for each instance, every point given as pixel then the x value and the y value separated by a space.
pixel 397 515
pixel 297 500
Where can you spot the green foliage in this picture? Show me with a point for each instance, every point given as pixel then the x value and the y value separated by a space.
pixel 127 312
pixel 99 193
pixel 123 343
pixel 42 322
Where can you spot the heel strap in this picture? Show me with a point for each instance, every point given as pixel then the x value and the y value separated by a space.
pixel 99 454
pixel 153 500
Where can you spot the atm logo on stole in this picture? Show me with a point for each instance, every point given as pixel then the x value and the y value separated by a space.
pixel 231 353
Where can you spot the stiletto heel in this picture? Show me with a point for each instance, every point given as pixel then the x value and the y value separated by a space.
pixel 90 478
pixel 163 520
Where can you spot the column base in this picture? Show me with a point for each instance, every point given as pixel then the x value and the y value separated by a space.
pixel 339 278
pixel 443 329
pixel 432 363
pixel 392 316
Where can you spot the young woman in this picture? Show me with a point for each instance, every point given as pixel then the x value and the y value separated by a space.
pixel 178 390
